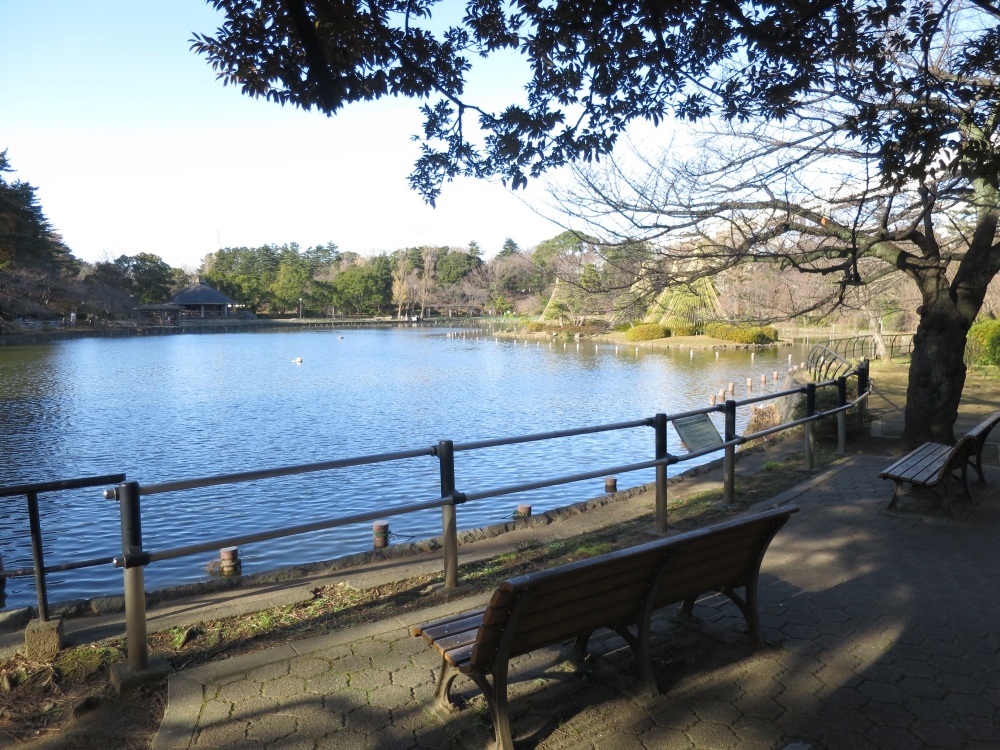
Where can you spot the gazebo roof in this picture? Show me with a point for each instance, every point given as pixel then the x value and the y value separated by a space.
pixel 200 293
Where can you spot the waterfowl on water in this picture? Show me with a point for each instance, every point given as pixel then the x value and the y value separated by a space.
pixel 297 360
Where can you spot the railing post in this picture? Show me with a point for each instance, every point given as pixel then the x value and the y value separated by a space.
pixel 138 670
pixel 660 426
pixel 842 415
pixel 446 457
pixel 43 639
pixel 38 556
pixel 135 590
pixel 810 411
pixel 864 386
pixel 729 487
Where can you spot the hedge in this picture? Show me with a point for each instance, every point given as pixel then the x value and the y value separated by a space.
pixel 646 332
pixel 742 334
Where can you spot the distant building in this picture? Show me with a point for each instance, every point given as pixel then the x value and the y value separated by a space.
pixel 197 301
pixel 201 301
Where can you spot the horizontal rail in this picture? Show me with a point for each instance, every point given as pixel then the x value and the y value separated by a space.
pixel 550 435
pixel 528 486
pixel 21 572
pixel 129 561
pixel 250 476
pixel 695 412
pixel 60 485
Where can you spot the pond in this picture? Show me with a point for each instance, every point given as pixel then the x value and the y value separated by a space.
pixel 178 407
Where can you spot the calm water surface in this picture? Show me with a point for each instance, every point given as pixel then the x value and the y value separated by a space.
pixel 187 406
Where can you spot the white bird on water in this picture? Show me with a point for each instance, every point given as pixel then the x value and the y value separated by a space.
pixel 297 360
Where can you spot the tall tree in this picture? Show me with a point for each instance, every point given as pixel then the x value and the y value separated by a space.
pixel 509 248
pixel 27 239
pixel 293 284
pixel 454 265
pixel 148 277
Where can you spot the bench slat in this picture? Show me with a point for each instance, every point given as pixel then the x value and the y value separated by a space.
pixel 432 631
pixel 920 465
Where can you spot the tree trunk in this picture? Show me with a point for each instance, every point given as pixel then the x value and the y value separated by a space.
pixel 937 373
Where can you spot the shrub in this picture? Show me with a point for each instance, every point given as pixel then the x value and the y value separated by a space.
pixel 535 326
pixel 681 328
pixel 742 334
pixel 983 344
pixel 646 332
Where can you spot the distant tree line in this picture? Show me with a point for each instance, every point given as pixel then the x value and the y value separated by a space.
pixel 412 281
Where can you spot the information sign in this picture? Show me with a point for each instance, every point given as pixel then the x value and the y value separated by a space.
pixel 697 432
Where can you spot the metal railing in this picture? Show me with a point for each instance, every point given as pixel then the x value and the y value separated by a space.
pixel 855 348
pixel 134 557
pixel 30 492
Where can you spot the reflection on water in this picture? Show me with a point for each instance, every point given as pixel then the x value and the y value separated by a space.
pixel 185 406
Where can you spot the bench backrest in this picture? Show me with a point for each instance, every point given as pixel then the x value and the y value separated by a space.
pixel 542 608
pixel 727 555
pixel 983 429
pixel 959 455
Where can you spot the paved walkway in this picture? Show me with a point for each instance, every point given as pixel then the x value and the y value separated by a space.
pixel 883 632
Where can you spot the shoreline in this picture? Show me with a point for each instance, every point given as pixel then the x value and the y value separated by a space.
pixel 235 325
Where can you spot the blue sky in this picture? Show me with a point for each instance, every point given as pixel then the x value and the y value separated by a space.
pixel 134 146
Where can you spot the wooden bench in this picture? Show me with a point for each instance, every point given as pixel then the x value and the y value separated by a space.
pixel 619 590
pixel 932 465
pixel 935 464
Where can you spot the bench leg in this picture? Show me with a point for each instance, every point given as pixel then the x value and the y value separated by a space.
pixel 687 608
pixel 749 609
pixel 976 462
pixel 442 695
pixel 896 494
pixel 643 656
pixel 496 698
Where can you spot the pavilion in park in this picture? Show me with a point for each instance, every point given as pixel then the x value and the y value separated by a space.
pixel 199 300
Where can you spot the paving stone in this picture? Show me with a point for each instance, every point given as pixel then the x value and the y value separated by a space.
pixel 283 687
pixel 223 734
pixel 347 740
pixel 413 676
pixel 214 712
pixel 663 737
pixel 960 683
pixel 309 667
pixel 271 727
pixel 240 690
pixel 367 719
pixel 369 679
pixel 292 743
pixel 712 736
pixel 351 663
pixel 270 671
pixel 391 696
pixel 248 709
